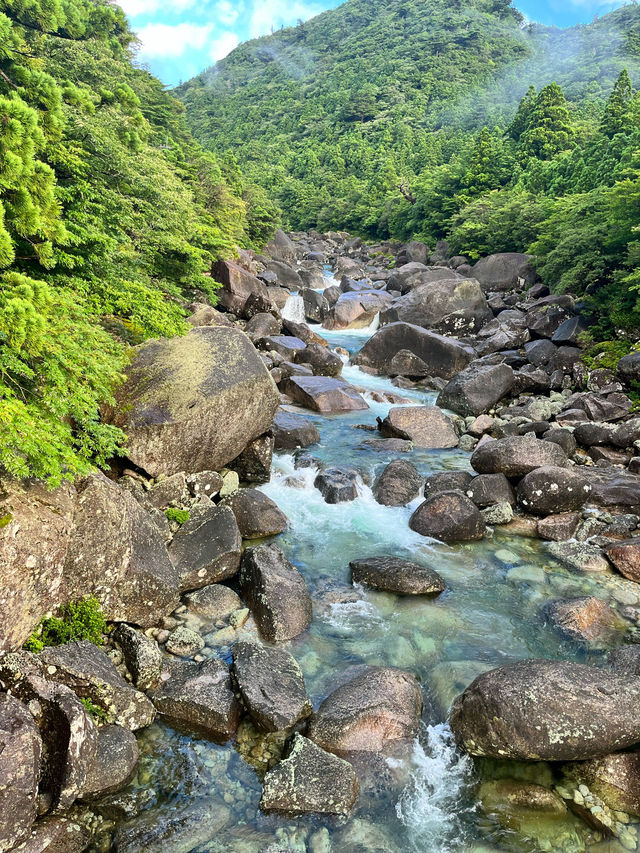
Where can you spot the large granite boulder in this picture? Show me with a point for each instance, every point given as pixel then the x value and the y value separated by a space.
pixel 455 305
pixel 281 247
pixel 34 540
pixel 505 271
pixel 337 485
pixel 256 514
pixel 433 355
pixel 373 710
pixel 276 593
pixel 449 517
pixel 309 781
pixel 398 484
pixel 517 456
pixel 625 556
pixel 540 710
pixel 291 431
pixel 206 549
pixel 91 674
pixel 426 426
pixel 200 695
pixel 114 765
pixel 356 310
pixel 20 755
pixel 117 554
pixel 477 389
pixel 325 394
pixel 395 574
pixel 193 403
pixel 240 287
pixel 551 489
pixel 271 686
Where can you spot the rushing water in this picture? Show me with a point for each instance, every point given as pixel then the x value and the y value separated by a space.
pixel 422 801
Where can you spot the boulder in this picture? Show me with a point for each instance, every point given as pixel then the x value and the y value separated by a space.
pixel 394 574
pixel 539 710
pixel 193 403
pixel 122 560
pixel 628 367
pixel 254 463
pixel 406 276
pixel 239 286
pixel 37 524
pixel 477 388
pixel 213 602
pixel 398 484
pixel 57 835
pixel 324 394
pixel 356 310
pixel 505 271
pixel 426 426
pixel 271 685
pixel 559 528
pixel 337 485
pixel 373 710
pixel 142 656
pixel 449 517
pixel 287 346
pixel 454 305
pixel 286 276
pixel 68 732
pixel 206 549
pixel 612 488
pixel 316 306
pixel 309 781
pixel 415 251
pixel 625 660
pixel 446 481
pixel 261 326
pixel 517 456
pixel 281 247
pixel 441 356
pixel 625 556
pixel 201 696
pixel 205 484
pixel 585 620
pixel 615 779
pixel 522 807
pixel 257 515
pixel 291 431
pixel 579 556
pixel 91 674
pixel 276 593
pixel 551 489
pixel 323 362
pixel 490 489
pixel 20 755
pixel 184 642
pixel 166 829
pixel 114 764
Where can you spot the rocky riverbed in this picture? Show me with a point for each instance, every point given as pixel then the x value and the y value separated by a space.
pixel 371 573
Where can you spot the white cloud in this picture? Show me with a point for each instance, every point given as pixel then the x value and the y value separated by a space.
pixel 133 8
pixel 166 41
pixel 270 15
pixel 223 45
pixel 228 12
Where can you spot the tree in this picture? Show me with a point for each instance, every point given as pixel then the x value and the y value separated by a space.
pixel 549 129
pixel 617 116
pixel 521 120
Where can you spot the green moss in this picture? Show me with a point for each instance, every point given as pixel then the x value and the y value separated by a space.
pixel 80 620
pixel 178 515
pixel 605 354
pixel 98 714
pixel 5 520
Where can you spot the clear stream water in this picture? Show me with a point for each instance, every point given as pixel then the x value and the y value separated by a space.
pixel 423 801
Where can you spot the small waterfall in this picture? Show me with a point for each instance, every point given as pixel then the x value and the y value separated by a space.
pixel 430 804
pixel 294 309
pixel 374 325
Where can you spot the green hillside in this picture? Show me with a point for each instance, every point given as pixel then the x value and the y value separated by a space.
pixel 110 213
pixel 394 119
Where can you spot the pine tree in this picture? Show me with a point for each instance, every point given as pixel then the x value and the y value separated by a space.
pixel 549 129
pixel 617 118
pixel 521 119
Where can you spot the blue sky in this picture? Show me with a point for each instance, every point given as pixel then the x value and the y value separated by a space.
pixel 179 38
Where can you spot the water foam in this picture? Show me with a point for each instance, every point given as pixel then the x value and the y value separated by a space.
pixel 429 806
pixel 294 309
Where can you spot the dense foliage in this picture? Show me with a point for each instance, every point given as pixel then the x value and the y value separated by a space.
pixel 399 118
pixel 78 621
pixel 110 214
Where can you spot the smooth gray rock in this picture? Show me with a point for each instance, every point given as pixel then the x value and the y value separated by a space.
pixel 426 426
pixel 206 549
pixel 114 765
pixel 256 514
pixel 337 485
pixel 398 484
pixel 213 602
pixel 292 431
pixel 395 574
pixel 20 755
pixel 539 710
pixel 517 456
pixel 477 389
pixel 551 489
pixel 449 517
pixel 324 394
pixel 276 593
pixel 271 685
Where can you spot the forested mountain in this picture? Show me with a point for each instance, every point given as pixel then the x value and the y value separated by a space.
pixel 110 213
pixel 400 118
